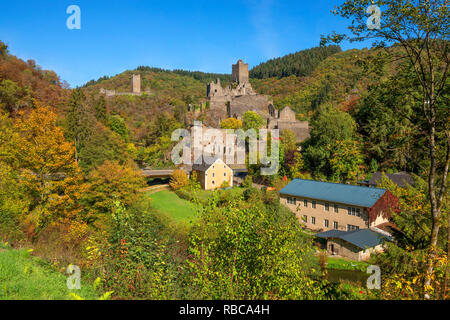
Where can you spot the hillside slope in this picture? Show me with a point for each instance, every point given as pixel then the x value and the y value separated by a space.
pixel 24 277
pixel 23 84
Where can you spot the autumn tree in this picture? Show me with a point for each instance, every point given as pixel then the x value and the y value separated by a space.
pixel 111 182
pixel 178 179
pixel 14 202
pixel 420 29
pixel 48 170
pixel 231 123
pixel 3 49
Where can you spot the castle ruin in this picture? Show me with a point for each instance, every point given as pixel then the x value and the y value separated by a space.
pixel 239 97
pixel 136 83
pixel 135 88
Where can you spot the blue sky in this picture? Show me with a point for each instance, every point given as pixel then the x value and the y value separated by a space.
pixel 194 35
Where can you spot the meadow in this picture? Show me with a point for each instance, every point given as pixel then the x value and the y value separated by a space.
pixel 25 277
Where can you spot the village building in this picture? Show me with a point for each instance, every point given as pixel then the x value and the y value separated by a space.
pixel 213 176
pixel 401 179
pixel 356 244
pixel 326 206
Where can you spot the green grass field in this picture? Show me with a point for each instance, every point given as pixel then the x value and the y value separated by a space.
pixel 168 202
pixel 24 277
pixel 344 264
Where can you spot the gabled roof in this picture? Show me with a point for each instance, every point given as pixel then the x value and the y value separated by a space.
pixel 363 238
pixel 334 192
pixel 205 166
pixel 402 179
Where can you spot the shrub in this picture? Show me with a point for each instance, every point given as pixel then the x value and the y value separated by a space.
pixel 178 179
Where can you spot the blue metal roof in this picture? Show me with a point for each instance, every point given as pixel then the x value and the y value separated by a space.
pixel 363 238
pixel 334 192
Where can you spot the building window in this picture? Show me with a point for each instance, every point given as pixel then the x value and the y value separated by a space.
pixel 358 212
pixel 305 203
pixel 213 182
pixel 327 206
pixel 349 211
pixel 214 174
pixel 305 218
pixel 224 174
pixel 353 211
pixel 335 225
pixel 327 223
pixel 313 204
pixel 313 220
pixel 336 209
pixel 291 200
pixel 352 227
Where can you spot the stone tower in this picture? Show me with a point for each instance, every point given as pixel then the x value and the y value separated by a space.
pixel 240 72
pixel 136 83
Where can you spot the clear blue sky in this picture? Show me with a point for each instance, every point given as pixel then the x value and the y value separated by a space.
pixel 205 35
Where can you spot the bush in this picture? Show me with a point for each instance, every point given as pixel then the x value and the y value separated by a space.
pixel 178 179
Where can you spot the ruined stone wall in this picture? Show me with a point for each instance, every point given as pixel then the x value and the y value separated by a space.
pixel 257 103
pixel 287 114
pixel 299 128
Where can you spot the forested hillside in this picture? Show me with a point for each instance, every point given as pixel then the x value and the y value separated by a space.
pixel 23 83
pixel 298 64
pixel 338 80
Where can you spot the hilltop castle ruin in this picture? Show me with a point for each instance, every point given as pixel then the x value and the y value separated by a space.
pixel 239 97
pixel 135 88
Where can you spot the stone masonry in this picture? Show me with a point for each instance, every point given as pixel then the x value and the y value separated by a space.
pixel 239 97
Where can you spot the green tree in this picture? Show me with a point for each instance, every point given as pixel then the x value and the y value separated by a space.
pixel 100 146
pixel 117 124
pixel 288 140
pixel 328 126
pixel 252 120
pixel 13 97
pixel 346 161
pixel 247 252
pixel 100 109
pixel 80 121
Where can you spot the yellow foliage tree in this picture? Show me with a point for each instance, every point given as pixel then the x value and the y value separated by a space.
pixel 48 170
pixel 178 179
pixel 231 123
pixel 111 182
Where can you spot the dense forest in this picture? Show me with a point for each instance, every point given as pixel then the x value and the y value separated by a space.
pixel 71 186
pixel 299 64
